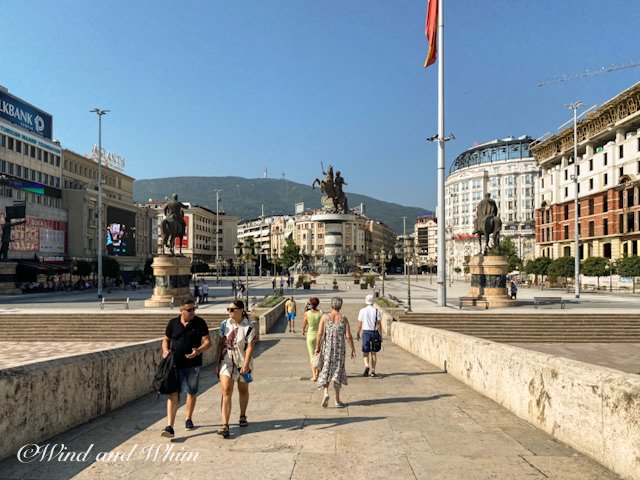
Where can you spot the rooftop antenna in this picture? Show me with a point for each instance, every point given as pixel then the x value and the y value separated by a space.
pixel 266 172
pixel 283 175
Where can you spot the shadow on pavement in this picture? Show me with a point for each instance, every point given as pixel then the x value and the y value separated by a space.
pixel 407 374
pixel 381 401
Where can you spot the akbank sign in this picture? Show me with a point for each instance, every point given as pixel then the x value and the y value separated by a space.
pixel 23 114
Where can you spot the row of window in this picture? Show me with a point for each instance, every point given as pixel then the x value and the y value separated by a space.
pixel 32 151
pixel 29 174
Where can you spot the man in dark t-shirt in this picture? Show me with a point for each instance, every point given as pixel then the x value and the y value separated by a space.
pixel 188 337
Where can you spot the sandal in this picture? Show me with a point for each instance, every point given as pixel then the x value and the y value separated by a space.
pixel 223 431
pixel 243 421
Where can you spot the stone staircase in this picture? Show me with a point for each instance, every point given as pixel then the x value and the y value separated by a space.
pixel 534 327
pixel 133 326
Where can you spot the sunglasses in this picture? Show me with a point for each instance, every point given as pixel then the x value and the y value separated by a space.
pixel 190 310
pixel 231 310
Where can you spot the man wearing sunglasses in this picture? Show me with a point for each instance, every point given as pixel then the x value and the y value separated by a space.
pixel 188 337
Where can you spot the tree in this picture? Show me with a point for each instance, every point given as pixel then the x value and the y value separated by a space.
pixel 595 267
pixel 537 266
pixel 110 267
pixel 629 267
pixel 81 268
pixel 290 254
pixel 562 267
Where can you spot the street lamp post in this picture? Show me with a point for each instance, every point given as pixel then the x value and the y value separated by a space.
pixel 217 236
pixel 383 256
pixel 404 249
pixel 576 238
pixel 244 251
pixel 99 249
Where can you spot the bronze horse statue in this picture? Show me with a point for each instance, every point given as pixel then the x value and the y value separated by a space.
pixel 328 187
pixel 171 229
pixel 491 230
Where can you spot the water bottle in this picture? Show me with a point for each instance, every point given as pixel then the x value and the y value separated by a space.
pixel 247 377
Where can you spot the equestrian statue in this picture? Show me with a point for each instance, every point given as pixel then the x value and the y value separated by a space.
pixel 487 223
pixel 173 225
pixel 334 200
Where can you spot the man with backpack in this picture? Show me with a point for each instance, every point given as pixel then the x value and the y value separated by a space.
pixel 369 324
pixel 186 338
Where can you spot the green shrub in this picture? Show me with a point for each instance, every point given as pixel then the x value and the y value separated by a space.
pixel 270 301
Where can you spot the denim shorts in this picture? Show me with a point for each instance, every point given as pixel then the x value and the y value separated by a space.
pixel 188 378
pixel 367 336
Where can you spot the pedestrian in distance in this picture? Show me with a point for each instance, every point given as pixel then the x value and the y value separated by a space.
pixel 513 290
pixel 290 310
pixel 333 334
pixel 188 337
pixel 310 325
pixel 369 325
pixel 273 283
pixel 235 362
pixel 205 292
pixel 234 289
pixel 197 293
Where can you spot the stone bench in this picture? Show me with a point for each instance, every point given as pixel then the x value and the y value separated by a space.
pixel 473 301
pixel 114 300
pixel 548 301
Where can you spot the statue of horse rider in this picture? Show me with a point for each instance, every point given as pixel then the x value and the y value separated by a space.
pixel 487 222
pixel 173 225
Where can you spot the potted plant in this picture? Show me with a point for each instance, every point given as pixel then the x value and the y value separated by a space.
pixel 335 284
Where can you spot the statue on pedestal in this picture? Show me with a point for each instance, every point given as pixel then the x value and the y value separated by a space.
pixel 173 225
pixel 487 222
pixel 334 200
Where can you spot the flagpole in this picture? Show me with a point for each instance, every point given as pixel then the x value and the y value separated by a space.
pixel 442 268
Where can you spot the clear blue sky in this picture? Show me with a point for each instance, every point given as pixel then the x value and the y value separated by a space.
pixel 208 87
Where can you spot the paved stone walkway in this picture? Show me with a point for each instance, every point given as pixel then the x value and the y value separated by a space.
pixel 413 422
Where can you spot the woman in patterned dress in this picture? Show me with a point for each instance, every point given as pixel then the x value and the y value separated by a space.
pixel 332 332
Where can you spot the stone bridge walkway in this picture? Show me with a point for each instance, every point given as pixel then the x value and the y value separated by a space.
pixel 413 421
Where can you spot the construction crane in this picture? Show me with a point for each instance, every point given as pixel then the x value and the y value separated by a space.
pixel 589 73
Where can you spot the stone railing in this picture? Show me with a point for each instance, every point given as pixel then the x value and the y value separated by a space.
pixel 268 317
pixel 45 393
pixel 593 409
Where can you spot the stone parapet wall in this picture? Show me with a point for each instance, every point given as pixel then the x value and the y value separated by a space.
pixel 268 318
pixel 595 410
pixel 40 400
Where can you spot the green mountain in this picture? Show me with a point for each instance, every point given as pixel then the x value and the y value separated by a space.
pixel 245 197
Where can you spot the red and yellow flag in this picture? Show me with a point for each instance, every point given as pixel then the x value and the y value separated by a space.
pixel 431 31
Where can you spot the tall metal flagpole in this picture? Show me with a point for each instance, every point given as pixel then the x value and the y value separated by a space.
pixel 442 268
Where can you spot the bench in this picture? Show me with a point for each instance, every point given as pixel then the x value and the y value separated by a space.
pixel 548 301
pixel 473 301
pixel 114 300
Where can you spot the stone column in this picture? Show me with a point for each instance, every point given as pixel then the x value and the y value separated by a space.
pixel 172 275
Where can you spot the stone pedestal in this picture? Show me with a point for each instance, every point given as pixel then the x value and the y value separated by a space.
pixel 334 260
pixel 8 279
pixel 172 275
pixel 489 280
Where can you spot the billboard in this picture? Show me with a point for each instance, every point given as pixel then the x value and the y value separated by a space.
pixel 121 232
pixel 27 116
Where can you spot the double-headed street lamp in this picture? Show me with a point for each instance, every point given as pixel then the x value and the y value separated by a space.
pixel 383 257
pixel 275 258
pixel 245 252
pixel 405 249
pixel 99 249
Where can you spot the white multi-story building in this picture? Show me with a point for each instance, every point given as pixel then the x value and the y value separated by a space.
pixel 606 176
pixel 506 170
